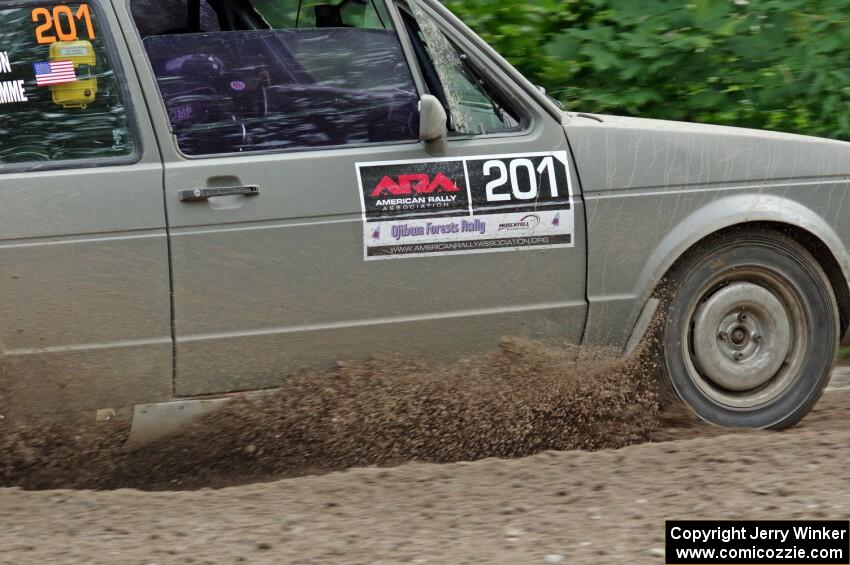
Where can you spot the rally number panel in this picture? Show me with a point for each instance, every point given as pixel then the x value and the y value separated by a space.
pixel 476 205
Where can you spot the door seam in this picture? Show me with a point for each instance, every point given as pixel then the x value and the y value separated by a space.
pixel 152 129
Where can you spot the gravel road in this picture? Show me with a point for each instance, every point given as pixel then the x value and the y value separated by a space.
pixel 570 507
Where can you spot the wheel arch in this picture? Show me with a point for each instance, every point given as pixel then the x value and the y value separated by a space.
pixel 745 212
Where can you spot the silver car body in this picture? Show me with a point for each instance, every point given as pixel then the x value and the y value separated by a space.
pixel 117 293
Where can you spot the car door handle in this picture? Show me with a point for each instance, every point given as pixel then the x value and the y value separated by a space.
pixel 201 194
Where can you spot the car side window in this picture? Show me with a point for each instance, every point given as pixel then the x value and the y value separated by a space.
pixel 473 107
pixel 318 13
pixel 273 75
pixel 60 97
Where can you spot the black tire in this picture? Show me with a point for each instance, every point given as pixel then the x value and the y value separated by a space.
pixel 722 364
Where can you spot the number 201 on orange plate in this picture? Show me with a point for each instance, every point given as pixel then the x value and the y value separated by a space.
pixel 60 23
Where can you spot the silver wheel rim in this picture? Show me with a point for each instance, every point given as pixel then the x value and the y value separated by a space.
pixel 746 338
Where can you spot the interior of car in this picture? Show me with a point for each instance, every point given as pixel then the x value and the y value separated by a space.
pixel 240 76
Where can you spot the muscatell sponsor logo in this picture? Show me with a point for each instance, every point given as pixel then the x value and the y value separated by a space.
pixel 526 223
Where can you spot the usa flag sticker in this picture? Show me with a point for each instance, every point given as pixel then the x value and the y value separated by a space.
pixel 54 72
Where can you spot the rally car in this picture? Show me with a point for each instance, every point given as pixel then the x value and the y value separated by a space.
pixel 201 197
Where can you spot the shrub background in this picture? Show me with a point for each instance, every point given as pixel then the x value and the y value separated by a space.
pixel 771 64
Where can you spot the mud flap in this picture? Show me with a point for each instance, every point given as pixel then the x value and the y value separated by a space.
pixel 642 325
pixel 154 421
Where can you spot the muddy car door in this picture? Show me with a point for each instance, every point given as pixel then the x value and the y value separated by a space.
pixel 83 246
pixel 309 224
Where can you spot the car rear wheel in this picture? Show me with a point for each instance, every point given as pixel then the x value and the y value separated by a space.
pixel 751 330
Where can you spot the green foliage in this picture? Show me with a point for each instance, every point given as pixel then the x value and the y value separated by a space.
pixel 772 64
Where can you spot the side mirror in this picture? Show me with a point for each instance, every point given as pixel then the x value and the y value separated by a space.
pixel 551 98
pixel 433 128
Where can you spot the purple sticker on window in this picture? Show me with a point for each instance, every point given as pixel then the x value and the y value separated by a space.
pixel 238 85
pixel 180 114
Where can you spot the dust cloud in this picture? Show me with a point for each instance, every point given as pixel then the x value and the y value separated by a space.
pixel 524 398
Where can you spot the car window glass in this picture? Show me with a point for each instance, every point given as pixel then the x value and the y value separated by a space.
pixel 251 85
pixel 473 107
pixel 60 98
pixel 319 13
pixel 154 17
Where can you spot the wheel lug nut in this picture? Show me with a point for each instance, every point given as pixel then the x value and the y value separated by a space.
pixel 723 336
pixel 742 317
pixel 756 338
pixel 738 355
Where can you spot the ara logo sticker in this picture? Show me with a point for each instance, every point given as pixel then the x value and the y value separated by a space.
pixel 395 191
pixel 418 183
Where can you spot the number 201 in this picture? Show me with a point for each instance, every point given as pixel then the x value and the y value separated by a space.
pixel 60 24
pixel 512 172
